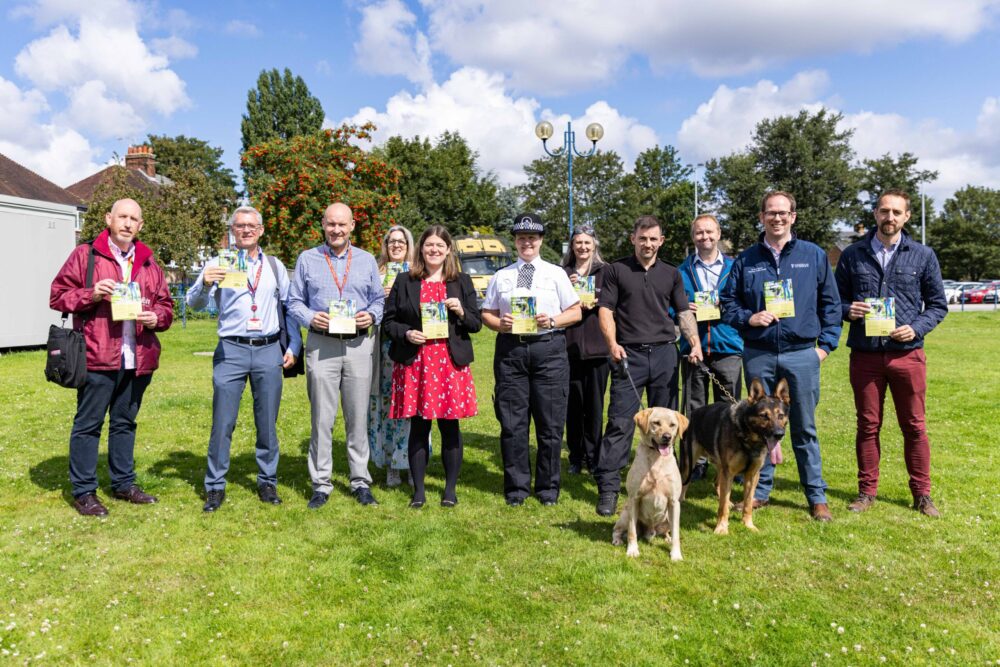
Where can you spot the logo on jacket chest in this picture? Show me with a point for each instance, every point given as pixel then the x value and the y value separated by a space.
pixel 800 266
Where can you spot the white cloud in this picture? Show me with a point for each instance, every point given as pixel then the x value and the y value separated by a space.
pixel 64 158
pixel 18 115
pixel 386 45
pixel 174 47
pixel 91 107
pixel 46 13
pixel 242 28
pixel 725 123
pixel 554 47
pixel 499 126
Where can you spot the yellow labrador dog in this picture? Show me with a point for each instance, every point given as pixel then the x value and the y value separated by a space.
pixel 653 483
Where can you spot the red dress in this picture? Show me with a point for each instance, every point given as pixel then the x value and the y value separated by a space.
pixel 433 387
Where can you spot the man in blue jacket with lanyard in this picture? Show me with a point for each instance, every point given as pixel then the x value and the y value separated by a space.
pixel 705 272
pixel 337 294
pixel 248 348
pixel 889 274
pixel 782 298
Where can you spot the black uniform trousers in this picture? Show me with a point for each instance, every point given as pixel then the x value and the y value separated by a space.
pixel 653 368
pixel 588 381
pixel 728 368
pixel 532 383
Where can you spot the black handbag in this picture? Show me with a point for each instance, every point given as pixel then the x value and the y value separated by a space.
pixel 299 367
pixel 66 349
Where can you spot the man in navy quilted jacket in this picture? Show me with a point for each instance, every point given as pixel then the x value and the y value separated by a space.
pixel 891 293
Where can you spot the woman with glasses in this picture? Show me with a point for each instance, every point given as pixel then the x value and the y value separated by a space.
pixel 387 438
pixel 587 351
pixel 429 315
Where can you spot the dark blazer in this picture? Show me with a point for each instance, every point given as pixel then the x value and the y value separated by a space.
pixel 402 313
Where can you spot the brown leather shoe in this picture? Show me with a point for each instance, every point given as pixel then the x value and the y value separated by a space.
pixel 89 505
pixel 925 506
pixel 862 503
pixel 757 504
pixel 821 512
pixel 135 495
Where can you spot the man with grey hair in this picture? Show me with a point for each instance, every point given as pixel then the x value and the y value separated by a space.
pixel 249 332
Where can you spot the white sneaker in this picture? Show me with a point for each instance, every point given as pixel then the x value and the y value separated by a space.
pixel 392 478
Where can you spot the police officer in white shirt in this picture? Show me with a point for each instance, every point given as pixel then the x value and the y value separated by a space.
pixel 530 368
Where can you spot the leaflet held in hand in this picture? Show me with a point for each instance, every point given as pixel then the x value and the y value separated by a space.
pixel 585 290
pixel 522 308
pixel 342 312
pixel 235 264
pixel 126 301
pixel 708 305
pixel 393 269
pixel 434 319
pixel 880 320
pixel 779 299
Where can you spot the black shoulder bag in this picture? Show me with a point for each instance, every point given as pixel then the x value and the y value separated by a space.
pixel 299 367
pixel 66 349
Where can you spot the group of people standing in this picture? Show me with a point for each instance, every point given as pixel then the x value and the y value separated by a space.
pixel 370 348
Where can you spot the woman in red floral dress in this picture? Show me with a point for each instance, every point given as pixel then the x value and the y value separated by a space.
pixel 429 314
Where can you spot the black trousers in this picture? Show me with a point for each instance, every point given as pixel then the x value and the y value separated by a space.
pixel 728 368
pixel 653 368
pixel 532 383
pixel 588 381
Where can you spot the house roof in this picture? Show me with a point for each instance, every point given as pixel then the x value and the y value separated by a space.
pixel 19 181
pixel 85 189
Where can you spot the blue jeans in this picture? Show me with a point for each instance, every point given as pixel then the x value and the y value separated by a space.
pixel 233 363
pixel 801 369
pixel 120 393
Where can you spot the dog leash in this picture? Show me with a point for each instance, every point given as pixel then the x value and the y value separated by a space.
pixel 624 365
pixel 718 383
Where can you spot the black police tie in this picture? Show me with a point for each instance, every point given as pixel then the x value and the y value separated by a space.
pixel 524 275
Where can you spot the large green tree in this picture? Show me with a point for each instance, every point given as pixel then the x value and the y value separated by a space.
pixel 173 215
pixel 601 198
pixel 294 181
pixel 279 107
pixel 966 235
pixel 177 155
pixel 661 185
pixel 806 155
pixel 885 173
pixel 441 183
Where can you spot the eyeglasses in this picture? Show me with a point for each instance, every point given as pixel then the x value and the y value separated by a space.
pixel 396 242
pixel 241 227
pixel 778 214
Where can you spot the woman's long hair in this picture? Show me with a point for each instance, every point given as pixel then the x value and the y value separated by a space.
pixel 569 259
pixel 383 256
pixel 450 270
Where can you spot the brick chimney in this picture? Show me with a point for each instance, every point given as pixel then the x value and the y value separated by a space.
pixel 141 158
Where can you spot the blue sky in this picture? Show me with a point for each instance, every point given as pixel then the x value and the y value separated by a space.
pixel 80 81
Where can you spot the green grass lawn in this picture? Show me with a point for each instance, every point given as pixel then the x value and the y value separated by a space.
pixel 263 585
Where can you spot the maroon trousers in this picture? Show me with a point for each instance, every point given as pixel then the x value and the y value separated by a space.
pixel 905 374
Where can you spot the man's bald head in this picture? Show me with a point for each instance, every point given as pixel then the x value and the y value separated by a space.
pixel 339 209
pixel 127 202
pixel 124 222
pixel 338 223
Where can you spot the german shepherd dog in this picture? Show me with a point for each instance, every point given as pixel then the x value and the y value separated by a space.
pixel 736 437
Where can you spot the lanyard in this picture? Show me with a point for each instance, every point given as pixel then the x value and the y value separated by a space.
pixel 252 287
pixel 337 281
pixel 127 274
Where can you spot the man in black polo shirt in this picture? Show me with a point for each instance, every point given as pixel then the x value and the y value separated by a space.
pixel 637 294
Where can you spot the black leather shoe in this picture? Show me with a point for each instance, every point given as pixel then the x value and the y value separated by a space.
pixel 135 495
pixel 549 502
pixel 318 500
pixel 268 494
pixel 514 502
pixel 607 503
pixel 89 505
pixel 575 468
pixel 699 471
pixel 449 502
pixel 213 499
pixel 416 504
pixel 364 496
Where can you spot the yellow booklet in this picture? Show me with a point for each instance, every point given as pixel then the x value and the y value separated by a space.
pixel 235 264
pixel 434 319
pixel 393 269
pixel 779 299
pixel 881 319
pixel 126 301
pixel 341 314
pixel 585 290
pixel 708 305
pixel 523 310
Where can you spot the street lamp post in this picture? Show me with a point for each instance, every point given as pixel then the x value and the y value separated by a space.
pixel 594 132
pixel 694 174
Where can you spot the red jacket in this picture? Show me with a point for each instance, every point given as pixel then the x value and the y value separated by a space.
pixel 104 335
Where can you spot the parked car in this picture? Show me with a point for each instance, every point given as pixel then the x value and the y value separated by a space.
pixel 985 294
pixel 955 291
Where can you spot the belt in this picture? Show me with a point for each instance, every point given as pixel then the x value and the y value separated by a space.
pixel 645 346
pixel 538 338
pixel 258 341
pixel 361 333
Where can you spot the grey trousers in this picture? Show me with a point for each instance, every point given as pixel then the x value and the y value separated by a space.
pixel 338 370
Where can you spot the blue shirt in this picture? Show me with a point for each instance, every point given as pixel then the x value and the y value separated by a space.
pixel 883 253
pixel 313 287
pixel 708 274
pixel 234 304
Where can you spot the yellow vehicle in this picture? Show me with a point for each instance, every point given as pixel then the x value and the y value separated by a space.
pixel 481 257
